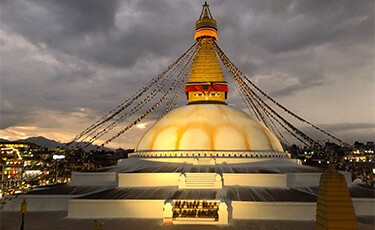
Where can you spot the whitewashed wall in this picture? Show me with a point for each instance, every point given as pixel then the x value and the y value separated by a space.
pixel 40 203
pixel 94 178
pixel 364 206
pixel 81 209
pixel 310 179
pixel 148 179
pixel 292 210
pixel 273 210
pixel 256 180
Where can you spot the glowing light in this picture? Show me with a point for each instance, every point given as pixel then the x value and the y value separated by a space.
pixel 58 157
pixel 141 126
pixel 33 172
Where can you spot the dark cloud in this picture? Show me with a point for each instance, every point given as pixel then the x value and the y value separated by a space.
pixel 50 22
pixel 348 126
pixel 348 132
pixel 13 115
pixel 291 89
pixel 290 37
pixel 285 26
pixel 96 30
pixel 65 55
pixel 67 26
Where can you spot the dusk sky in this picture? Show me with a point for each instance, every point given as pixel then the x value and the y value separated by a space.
pixel 66 63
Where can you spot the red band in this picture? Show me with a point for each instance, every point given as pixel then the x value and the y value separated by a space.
pixel 206 88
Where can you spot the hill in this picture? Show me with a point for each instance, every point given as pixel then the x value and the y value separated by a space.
pixel 42 142
pixel 47 143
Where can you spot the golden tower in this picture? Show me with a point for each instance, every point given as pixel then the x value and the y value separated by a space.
pixel 334 205
pixel 206 83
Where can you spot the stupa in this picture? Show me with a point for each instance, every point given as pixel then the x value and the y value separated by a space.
pixel 207 126
pixel 202 163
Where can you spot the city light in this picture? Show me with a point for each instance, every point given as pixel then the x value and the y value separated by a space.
pixel 58 157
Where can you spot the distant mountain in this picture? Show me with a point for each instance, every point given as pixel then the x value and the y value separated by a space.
pixel 42 142
pixel 3 140
pixel 47 143
pixel 90 147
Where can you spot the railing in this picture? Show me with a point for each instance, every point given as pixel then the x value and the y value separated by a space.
pixel 209 154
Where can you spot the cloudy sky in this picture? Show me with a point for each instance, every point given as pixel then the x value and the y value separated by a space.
pixel 66 63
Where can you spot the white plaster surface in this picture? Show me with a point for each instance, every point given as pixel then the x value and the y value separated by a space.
pixel 256 180
pixel 86 208
pixel 310 179
pixel 94 178
pixel 58 221
pixel 208 127
pixel 273 210
pixel 40 203
pixel 148 179
pixel 229 179
pixel 364 206
pixel 292 210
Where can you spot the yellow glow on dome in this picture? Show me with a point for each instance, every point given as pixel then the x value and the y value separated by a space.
pixel 208 127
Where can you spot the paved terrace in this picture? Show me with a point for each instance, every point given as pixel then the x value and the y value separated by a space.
pixel 58 220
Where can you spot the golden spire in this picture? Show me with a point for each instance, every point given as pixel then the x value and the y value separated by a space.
pixel 206 83
pixel 206 66
pixel 334 205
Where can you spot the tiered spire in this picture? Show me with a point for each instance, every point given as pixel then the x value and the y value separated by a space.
pixel 206 83
pixel 334 205
pixel 206 66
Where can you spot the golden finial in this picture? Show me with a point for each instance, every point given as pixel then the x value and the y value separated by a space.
pixel 206 11
pixel 206 26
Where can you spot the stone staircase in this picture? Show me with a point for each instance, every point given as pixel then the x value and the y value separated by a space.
pixel 200 181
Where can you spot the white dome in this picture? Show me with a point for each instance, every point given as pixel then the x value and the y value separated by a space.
pixel 208 127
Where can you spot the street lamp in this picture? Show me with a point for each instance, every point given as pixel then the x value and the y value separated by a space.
pixel 23 210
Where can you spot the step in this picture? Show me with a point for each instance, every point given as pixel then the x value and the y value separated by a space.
pixel 206 180
pixel 200 181
pixel 197 221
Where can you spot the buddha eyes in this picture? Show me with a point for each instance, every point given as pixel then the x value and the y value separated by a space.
pixel 206 94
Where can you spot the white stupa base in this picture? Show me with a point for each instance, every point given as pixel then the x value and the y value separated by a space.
pixel 89 209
